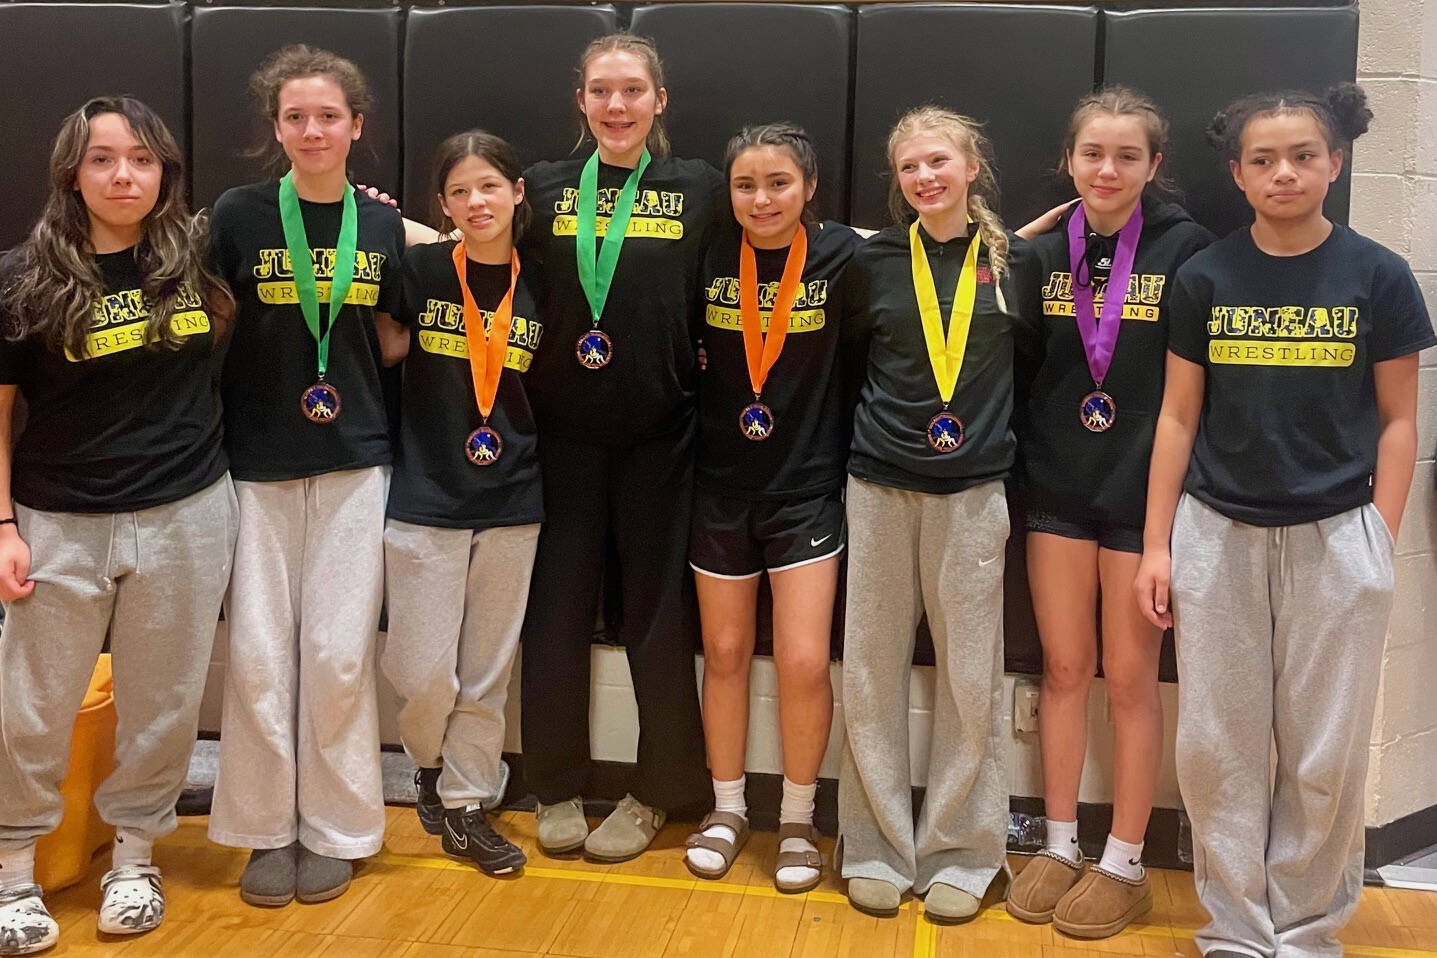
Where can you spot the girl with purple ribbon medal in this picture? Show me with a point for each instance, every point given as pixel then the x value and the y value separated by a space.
pixel 772 503
pixel 620 231
pixel 124 516
pixel 1283 458
pixel 315 268
pixel 465 502
pixel 929 337
pixel 1098 302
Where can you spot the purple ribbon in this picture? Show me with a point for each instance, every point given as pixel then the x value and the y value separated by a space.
pixel 1100 338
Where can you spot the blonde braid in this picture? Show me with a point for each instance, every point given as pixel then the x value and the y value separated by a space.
pixel 990 228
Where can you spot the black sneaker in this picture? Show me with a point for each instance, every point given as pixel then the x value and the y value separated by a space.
pixel 428 805
pixel 468 834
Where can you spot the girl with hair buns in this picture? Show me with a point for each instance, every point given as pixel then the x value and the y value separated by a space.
pixel 1281 465
pixel 1086 437
pixel 772 444
pixel 315 267
pixel 619 232
pixel 465 504
pixel 929 304
pixel 118 513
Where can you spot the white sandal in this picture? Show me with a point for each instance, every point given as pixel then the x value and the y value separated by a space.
pixel 25 924
pixel 134 900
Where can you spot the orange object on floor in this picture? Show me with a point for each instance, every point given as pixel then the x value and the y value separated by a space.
pixel 63 856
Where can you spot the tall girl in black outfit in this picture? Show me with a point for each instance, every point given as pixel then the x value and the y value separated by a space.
pixel 616 413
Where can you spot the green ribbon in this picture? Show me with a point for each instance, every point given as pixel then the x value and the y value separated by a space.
pixel 596 271
pixel 302 266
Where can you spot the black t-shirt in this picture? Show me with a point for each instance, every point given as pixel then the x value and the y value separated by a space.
pixel 1289 421
pixel 806 452
pixel 1068 469
pixel 128 426
pixel 899 395
pixel 434 482
pixel 273 357
pixel 647 389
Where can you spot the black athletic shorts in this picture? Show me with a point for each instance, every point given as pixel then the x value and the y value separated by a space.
pixel 740 538
pixel 1108 535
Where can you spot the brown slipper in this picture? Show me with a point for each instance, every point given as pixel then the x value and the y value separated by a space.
pixel 1102 904
pixel 803 859
pixel 729 850
pixel 1040 885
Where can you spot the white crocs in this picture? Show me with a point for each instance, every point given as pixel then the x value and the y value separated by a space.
pixel 134 901
pixel 25 926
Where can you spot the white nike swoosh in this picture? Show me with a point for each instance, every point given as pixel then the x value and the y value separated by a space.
pixel 814 543
pixel 987 562
pixel 461 842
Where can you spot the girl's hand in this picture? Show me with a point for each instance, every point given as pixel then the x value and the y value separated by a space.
pixel 701 355
pixel 373 193
pixel 1151 587
pixel 14 565
pixel 1045 222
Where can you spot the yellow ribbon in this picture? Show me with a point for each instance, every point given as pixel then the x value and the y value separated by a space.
pixel 946 357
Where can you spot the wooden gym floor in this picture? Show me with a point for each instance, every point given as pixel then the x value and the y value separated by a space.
pixel 412 902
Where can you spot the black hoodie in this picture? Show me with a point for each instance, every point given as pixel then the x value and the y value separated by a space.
pixel 887 358
pixel 1070 471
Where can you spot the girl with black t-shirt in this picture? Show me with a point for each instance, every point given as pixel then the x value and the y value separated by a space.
pixel 118 513
pixel 465 503
pixel 1086 438
pixel 772 444
pixel 926 304
pixel 308 441
pixel 1283 456
pixel 614 400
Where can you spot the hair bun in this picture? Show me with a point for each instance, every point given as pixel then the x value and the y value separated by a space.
pixel 1216 131
pixel 1348 105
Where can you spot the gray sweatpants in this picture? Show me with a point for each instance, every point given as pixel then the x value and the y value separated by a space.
pixel 1279 638
pixel 456 602
pixel 153 579
pixel 910 552
pixel 299 737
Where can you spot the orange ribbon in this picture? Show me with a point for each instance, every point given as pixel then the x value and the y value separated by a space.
pixel 486 347
pixel 762 351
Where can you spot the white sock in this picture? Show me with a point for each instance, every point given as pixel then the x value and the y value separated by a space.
pixel 17 866
pixel 131 848
pixel 1123 858
pixel 1063 840
pixel 728 797
pixel 796 806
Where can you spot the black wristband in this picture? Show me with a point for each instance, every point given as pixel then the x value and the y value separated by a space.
pixel 9 522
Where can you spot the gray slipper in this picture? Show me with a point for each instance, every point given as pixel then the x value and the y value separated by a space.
pixel 268 879
pixel 320 878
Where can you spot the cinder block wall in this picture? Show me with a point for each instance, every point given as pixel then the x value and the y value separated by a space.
pixel 1394 201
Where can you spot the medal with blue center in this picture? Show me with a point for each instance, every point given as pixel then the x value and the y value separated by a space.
pixel 486 348
pixel 762 350
pixel 944 432
pixel 1099 331
pixel 319 403
pixel 594 348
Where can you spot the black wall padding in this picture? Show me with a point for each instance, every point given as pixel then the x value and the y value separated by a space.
pixel 731 64
pixel 54 57
pixel 227 45
pixel 1195 61
pixel 508 69
pixel 1019 69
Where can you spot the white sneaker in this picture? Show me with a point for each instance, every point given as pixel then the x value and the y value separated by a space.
pixel 134 901
pixel 25 926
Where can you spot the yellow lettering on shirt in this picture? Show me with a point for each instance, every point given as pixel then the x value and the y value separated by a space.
pixel 285 294
pixel 275 264
pixel 118 322
pixel 659 203
pixel 1284 322
pixel 652 228
pixel 1246 352
pixel 442 332
pixel 799 321
pixel 1143 288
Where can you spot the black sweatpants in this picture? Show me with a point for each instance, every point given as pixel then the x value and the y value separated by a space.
pixel 643 494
